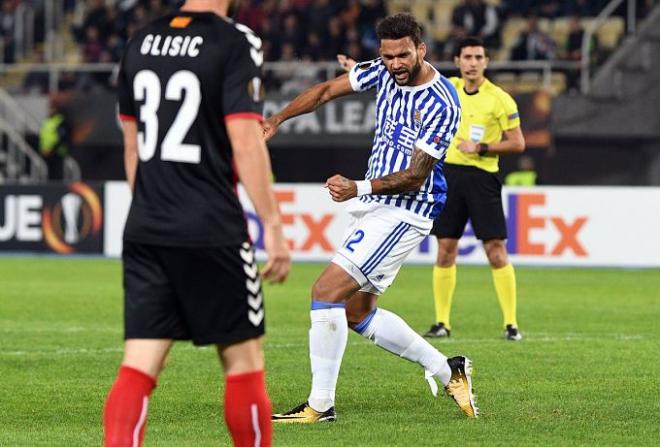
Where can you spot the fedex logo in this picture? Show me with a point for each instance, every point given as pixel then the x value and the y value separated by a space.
pixel 527 218
pixel 315 234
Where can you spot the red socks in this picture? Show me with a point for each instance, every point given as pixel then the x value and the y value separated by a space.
pixel 247 410
pixel 125 414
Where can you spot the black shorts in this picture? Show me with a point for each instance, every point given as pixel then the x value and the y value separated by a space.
pixel 209 295
pixel 474 194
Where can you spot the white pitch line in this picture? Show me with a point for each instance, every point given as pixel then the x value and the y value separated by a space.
pixel 65 330
pixel 454 341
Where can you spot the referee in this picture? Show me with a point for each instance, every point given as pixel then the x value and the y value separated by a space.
pixel 490 127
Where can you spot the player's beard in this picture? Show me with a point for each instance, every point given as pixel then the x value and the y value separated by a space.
pixel 232 9
pixel 412 73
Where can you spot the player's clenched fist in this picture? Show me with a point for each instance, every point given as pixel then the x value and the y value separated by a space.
pixel 341 188
pixel 269 127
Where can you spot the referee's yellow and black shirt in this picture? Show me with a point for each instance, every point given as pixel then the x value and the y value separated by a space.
pixel 486 114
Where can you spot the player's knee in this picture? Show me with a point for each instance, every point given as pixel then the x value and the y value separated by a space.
pixel 322 290
pixel 447 253
pixel 355 317
pixel 496 253
pixel 332 290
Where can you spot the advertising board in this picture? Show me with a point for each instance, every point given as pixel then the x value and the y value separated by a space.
pixel 562 226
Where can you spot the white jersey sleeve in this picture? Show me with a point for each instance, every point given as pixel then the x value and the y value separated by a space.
pixel 365 75
pixel 438 129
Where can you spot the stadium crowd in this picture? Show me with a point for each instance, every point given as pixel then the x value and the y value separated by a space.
pixel 315 30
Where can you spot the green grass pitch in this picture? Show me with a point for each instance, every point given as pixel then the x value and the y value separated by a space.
pixel 587 372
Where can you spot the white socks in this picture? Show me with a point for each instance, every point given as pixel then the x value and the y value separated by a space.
pixel 391 333
pixel 327 342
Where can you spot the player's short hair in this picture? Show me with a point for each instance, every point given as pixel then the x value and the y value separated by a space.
pixel 399 26
pixel 469 42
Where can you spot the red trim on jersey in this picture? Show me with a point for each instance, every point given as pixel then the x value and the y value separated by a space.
pixel 123 117
pixel 244 115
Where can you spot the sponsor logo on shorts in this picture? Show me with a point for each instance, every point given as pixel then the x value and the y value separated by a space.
pixel 253 284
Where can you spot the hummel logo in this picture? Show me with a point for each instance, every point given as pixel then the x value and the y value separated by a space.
pixel 247 255
pixel 253 286
pixel 256 317
pixel 255 302
pixel 251 271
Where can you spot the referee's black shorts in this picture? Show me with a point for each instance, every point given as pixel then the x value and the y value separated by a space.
pixel 474 194
pixel 209 295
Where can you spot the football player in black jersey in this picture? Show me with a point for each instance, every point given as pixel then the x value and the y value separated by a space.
pixel 190 102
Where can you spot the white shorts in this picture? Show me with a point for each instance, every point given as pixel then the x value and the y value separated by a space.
pixel 377 241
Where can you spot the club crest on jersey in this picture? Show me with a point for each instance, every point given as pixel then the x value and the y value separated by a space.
pixel 418 116
pixel 256 89
pixel 180 22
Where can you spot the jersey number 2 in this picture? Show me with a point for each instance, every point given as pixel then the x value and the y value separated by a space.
pixel 357 238
pixel 147 88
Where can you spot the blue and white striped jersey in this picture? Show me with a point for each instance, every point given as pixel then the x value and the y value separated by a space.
pixel 426 116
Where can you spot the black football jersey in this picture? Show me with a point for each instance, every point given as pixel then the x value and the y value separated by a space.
pixel 181 79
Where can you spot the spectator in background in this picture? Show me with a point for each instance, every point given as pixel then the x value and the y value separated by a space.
pixel 371 12
pixel 271 43
pixel 97 17
pixel 449 46
pixel 54 141
pixel 313 48
pixel 572 50
pixel 573 45
pixel 93 45
pixel 291 33
pixel 156 9
pixel 140 16
pixel 533 44
pixel 525 175
pixel 354 50
pixel 335 40
pixel 317 16
pixel 550 9
pixel 585 8
pixel 479 19
pixel 517 8
pixel 251 15
pixel 37 81
pixel 7 24
pixel 115 47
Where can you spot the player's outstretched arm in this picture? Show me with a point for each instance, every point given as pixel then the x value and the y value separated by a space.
pixel 408 180
pixel 254 171
pixel 130 150
pixel 308 101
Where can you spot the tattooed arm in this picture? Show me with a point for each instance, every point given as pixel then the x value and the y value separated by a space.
pixel 408 180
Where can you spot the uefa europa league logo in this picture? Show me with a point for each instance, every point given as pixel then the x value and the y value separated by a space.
pixel 74 218
pixel 70 211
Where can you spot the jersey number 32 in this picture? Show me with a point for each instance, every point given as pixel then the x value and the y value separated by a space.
pixel 147 88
